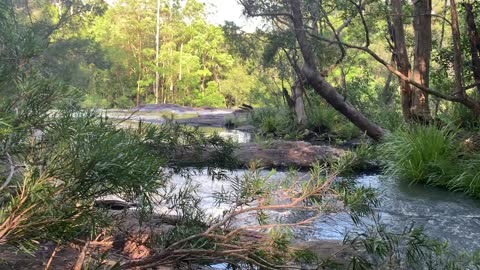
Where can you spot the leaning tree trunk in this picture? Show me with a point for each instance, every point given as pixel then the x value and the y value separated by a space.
pixel 321 86
pixel 422 25
pixel 474 42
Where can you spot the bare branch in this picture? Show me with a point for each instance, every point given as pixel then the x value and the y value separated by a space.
pixel 360 8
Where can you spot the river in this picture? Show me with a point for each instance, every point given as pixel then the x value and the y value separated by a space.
pixel 444 215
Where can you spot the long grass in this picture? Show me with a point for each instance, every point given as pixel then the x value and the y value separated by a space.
pixel 431 155
pixel 420 154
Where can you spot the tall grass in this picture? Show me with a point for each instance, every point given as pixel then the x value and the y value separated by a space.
pixel 468 177
pixel 280 122
pixel 432 155
pixel 273 120
pixel 422 154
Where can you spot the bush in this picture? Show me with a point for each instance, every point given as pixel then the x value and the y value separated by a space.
pixel 321 118
pixel 271 120
pixel 95 101
pixel 431 155
pixel 420 154
pixel 124 102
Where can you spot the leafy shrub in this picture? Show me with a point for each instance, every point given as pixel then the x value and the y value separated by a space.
pixel 271 120
pixel 124 102
pixel 95 101
pixel 321 118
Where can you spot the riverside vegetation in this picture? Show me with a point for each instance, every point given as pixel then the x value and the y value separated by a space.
pixel 317 72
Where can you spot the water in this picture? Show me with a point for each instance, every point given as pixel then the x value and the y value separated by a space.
pixel 444 215
pixel 213 118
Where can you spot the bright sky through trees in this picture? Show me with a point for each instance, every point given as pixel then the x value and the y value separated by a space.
pixel 220 11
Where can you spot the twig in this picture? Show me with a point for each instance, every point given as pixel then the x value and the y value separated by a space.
pixel 50 260
pixel 81 257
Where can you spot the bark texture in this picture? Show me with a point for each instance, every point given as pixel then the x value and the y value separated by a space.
pixel 422 25
pixel 401 58
pixel 457 53
pixel 298 103
pixel 474 42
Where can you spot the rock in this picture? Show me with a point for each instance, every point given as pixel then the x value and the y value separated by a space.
pixel 112 204
pixel 272 154
pixel 246 128
pixel 287 153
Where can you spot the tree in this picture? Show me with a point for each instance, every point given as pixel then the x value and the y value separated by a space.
pixel 415 87
pixel 293 12
pixel 474 39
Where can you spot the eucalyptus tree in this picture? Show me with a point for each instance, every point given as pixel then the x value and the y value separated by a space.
pixel 290 15
pixel 317 27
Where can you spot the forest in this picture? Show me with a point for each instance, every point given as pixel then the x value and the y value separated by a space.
pixel 143 134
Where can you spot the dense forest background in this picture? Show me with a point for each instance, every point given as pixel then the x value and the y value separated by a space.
pixel 125 53
pixel 114 55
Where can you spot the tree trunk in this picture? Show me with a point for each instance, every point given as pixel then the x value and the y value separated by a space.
pixel 457 53
pixel 140 67
pixel 422 24
pixel 157 51
pixel 299 105
pixel 403 65
pixel 387 93
pixel 474 42
pixel 321 86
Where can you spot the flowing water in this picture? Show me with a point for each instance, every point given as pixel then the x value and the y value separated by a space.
pixel 444 215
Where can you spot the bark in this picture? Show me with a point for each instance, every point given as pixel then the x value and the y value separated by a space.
pixel 457 53
pixel 422 24
pixel 157 51
pixel 321 86
pixel 401 58
pixel 299 105
pixel 474 42
pixel 288 98
pixel 387 93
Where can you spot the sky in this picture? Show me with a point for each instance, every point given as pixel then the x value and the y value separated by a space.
pixel 228 10
pixel 220 11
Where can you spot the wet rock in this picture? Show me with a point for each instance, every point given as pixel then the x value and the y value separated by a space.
pixel 273 154
pixel 112 204
pixel 246 128
pixel 287 153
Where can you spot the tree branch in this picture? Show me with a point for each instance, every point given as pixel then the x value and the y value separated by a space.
pixel 393 69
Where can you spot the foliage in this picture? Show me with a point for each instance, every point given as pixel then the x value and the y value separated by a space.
pixel 279 121
pixel 271 120
pixel 432 155
pixel 417 153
